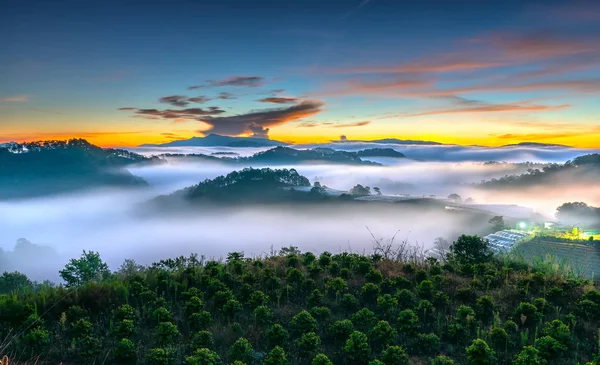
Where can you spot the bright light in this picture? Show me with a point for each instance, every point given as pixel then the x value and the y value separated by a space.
pixel 522 225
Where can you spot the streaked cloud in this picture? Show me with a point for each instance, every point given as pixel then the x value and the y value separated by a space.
pixel 355 124
pixel 240 81
pixel 279 100
pixel 16 98
pixel 491 108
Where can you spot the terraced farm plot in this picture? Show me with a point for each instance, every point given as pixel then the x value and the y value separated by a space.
pixel 581 259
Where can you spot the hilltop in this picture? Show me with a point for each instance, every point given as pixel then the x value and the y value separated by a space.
pixel 45 167
pixel 582 169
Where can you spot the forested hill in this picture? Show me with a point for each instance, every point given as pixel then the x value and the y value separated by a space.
pixel 583 169
pixel 286 155
pixel 244 186
pixel 39 168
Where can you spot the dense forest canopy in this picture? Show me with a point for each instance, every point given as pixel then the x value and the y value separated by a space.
pixel 300 308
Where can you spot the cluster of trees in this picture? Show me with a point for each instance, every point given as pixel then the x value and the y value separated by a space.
pixel 584 168
pixel 300 308
pixel 578 213
pixel 248 184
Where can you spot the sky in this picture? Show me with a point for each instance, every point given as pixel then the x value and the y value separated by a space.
pixel 475 72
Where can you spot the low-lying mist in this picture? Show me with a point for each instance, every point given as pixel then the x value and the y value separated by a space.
pixel 108 221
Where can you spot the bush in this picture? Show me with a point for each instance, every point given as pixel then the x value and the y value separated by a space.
pixel 382 334
pixel 471 250
pixel 263 315
pixel 166 333
pixel 276 356
pixel 407 322
pixel 364 319
pixel 442 360
pixel 241 350
pixel 529 355
pixel 479 353
pixel 309 344
pixel 527 315
pixel 303 322
pixel 357 349
pixel 428 343
pixel 321 359
pixel 203 339
pixel 203 356
pixel 200 321
pixel 158 356
pixel 341 330
pixel 125 351
pixel 394 355
pixel 277 335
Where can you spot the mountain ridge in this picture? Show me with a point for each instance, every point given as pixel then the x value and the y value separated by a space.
pixel 217 140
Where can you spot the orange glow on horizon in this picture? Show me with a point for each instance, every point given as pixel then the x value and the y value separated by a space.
pixel 117 139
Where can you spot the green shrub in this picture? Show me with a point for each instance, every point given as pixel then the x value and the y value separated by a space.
pixel 357 349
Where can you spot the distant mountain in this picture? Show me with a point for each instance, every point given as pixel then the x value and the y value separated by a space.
pixel 536 144
pixel 392 141
pixel 380 152
pixel 240 187
pixel 216 140
pixel 47 167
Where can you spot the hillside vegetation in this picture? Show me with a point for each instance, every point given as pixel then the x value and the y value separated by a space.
pixel 582 169
pixel 299 308
pixel 40 168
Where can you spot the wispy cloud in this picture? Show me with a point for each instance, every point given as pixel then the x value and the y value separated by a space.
pixel 16 98
pixel 279 100
pixel 354 124
pixel 490 108
pixel 239 81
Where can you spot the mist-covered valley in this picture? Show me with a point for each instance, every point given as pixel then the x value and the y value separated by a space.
pixel 119 224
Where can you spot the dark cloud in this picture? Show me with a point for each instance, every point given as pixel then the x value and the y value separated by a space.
pixel 278 91
pixel 226 96
pixel 247 81
pixel 199 99
pixel 343 138
pixel 279 100
pixel 257 122
pixel 175 100
pixel 244 81
pixel 127 108
pixel 180 113
pixel 259 131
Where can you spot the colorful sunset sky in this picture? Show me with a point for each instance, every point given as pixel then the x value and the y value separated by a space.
pixel 303 71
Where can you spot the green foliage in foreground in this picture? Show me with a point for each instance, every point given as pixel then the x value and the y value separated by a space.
pixel 296 308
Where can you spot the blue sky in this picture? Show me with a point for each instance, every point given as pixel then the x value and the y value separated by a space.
pixel 484 72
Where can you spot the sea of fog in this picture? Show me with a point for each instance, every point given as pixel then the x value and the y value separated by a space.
pixel 109 221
